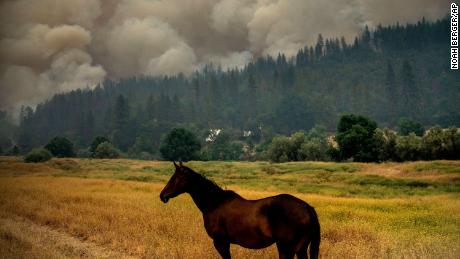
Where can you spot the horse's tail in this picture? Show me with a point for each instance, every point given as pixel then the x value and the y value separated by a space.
pixel 316 236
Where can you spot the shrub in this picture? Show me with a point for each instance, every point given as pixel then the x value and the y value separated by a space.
pixel 407 126
pixel 385 143
pixel 314 150
pixel 38 155
pixel 97 140
pixel 14 151
pixel 278 150
pixel 355 137
pixel 409 147
pixel 106 150
pixel 315 146
pixel 441 143
pixel 223 148
pixel 300 146
pixel 433 143
pixel 180 145
pixel 451 139
pixel 60 147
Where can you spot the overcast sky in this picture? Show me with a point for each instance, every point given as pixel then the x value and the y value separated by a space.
pixel 50 46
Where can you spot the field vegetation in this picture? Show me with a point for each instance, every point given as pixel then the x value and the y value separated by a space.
pixel 111 208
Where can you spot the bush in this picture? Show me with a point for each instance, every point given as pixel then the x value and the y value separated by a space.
pixel 14 151
pixel 451 139
pixel 223 148
pixel 106 150
pixel 409 147
pixel 315 146
pixel 300 146
pixel 180 145
pixel 385 143
pixel 314 150
pixel 441 143
pixel 38 155
pixel 433 143
pixel 60 147
pixel 355 137
pixel 97 140
pixel 407 126
pixel 279 149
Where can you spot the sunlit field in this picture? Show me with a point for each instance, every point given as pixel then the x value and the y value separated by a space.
pixel 111 208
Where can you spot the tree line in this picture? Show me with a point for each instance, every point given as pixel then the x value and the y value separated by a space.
pixel 357 139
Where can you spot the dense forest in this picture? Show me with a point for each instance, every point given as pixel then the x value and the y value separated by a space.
pixel 386 74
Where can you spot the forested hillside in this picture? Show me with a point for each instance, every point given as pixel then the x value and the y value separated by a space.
pixel 388 73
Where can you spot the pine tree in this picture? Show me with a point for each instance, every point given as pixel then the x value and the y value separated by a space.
pixel 366 38
pixel 409 91
pixel 120 113
pixel 391 94
pixel 121 135
pixel 319 47
pixel 251 106
pixel 25 138
pixel 150 108
pixel 89 131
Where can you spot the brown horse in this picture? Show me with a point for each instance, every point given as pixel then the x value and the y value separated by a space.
pixel 230 219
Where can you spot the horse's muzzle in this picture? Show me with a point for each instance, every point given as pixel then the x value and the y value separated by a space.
pixel 163 198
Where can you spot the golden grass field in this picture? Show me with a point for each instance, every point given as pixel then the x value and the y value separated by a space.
pixel 111 208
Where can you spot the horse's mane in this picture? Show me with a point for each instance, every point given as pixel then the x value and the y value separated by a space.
pixel 203 183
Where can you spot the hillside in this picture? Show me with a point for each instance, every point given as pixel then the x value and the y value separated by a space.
pixel 387 73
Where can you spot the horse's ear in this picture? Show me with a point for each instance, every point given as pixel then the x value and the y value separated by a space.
pixel 180 163
pixel 175 165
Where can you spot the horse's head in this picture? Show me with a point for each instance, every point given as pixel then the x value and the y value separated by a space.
pixel 177 184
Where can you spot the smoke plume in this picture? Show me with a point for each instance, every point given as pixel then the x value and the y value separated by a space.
pixel 50 46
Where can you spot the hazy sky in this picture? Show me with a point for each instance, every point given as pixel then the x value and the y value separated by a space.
pixel 50 46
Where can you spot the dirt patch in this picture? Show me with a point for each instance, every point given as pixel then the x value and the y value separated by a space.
pixel 43 238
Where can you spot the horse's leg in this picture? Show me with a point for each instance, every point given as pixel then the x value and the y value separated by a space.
pixel 285 251
pixel 303 251
pixel 223 247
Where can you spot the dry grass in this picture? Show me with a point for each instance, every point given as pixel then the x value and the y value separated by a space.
pixel 127 217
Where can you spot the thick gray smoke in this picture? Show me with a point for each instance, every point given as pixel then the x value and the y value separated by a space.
pixel 51 46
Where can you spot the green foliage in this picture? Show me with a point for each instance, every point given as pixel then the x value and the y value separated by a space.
pixel 293 114
pixel 314 150
pixel 279 149
pixel 38 155
pixel 97 140
pixel 451 143
pixel 355 137
pixel 223 148
pixel 409 148
pixel 106 150
pixel 7 129
pixel 385 143
pixel 122 133
pixel 60 147
pixel 441 143
pixel 14 151
pixel 143 144
pixel 407 126
pixel 180 145
pixel 300 147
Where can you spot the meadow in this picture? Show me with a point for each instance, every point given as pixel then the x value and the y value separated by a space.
pixel 94 208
